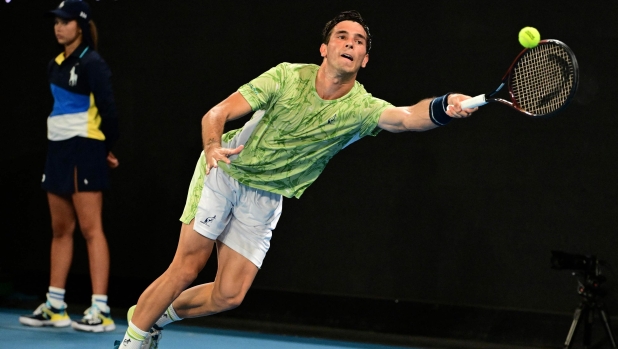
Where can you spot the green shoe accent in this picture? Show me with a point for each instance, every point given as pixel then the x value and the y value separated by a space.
pixel 130 313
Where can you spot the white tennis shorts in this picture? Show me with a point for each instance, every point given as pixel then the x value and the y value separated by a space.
pixel 239 216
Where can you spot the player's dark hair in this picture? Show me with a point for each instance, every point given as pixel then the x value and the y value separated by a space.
pixel 353 16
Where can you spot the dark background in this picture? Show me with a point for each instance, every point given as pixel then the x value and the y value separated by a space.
pixel 466 215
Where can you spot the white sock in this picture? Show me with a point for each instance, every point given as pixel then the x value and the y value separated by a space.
pixel 168 317
pixel 100 300
pixel 133 338
pixel 55 297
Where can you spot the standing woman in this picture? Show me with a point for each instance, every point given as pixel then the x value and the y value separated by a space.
pixel 81 129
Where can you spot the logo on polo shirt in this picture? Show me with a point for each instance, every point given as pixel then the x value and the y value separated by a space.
pixel 73 77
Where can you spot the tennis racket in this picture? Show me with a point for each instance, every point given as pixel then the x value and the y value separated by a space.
pixel 541 81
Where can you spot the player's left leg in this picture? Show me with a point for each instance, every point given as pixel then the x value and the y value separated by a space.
pixel 88 207
pixel 235 275
pixel 241 248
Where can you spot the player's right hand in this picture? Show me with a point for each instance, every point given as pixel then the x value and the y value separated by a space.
pixel 454 108
pixel 216 153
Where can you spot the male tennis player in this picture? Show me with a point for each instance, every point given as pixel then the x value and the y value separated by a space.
pixel 304 115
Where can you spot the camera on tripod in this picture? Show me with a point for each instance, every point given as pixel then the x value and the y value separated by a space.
pixel 586 265
pixel 562 260
pixel 590 289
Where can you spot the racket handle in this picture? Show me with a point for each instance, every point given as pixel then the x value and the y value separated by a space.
pixel 474 102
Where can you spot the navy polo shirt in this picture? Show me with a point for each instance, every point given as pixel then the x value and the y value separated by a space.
pixel 83 100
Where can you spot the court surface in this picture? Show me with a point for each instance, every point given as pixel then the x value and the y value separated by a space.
pixel 13 335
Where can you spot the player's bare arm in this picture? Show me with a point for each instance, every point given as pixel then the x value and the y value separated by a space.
pixel 233 107
pixel 416 117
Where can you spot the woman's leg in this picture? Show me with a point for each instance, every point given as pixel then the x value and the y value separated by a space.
pixel 63 226
pixel 88 206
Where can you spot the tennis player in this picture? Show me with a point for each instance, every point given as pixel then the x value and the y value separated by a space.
pixel 303 114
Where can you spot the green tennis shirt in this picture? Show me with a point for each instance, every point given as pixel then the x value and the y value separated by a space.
pixel 294 133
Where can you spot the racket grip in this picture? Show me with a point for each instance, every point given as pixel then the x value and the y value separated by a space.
pixel 474 102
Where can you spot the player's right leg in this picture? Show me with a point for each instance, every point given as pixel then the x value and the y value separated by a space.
pixel 53 311
pixel 191 256
pixel 192 253
pixel 234 277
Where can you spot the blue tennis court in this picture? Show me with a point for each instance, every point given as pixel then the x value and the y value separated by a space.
pixel 15 335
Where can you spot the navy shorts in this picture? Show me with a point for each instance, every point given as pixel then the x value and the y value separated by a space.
pixel 74 165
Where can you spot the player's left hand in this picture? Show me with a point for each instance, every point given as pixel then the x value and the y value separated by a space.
pixel 112 161
pixel 454 109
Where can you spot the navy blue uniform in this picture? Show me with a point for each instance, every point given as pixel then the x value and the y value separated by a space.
pixel 83 125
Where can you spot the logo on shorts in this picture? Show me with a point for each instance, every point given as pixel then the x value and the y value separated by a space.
pixel 208 220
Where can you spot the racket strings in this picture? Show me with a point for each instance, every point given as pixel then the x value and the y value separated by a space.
pixel 542 80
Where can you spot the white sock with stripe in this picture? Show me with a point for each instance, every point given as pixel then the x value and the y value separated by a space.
pixel 133 338
pixel 100 300
pixel 55 297
pixel 168 317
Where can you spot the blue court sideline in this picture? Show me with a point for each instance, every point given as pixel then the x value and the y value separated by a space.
pixel 13 335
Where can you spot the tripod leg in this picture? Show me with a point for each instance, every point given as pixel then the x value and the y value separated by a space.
pixel 588 327
pixel 608 329
pixel 576 316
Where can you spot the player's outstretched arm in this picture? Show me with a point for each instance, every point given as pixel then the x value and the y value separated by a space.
pixel 418 117
pixel 233 107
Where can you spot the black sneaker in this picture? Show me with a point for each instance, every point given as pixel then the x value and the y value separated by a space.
pixel 95 320
pixel 46 315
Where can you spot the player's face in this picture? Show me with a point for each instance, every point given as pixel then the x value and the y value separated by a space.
pixel 67 31
pixel 347 47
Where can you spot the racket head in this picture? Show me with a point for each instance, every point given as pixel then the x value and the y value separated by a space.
pixel 543 80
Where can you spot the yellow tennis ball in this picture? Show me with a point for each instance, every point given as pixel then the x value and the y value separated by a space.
pixel 130 313
pixel 529 37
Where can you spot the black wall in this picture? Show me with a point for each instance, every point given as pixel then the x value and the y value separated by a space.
pixel 466 214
